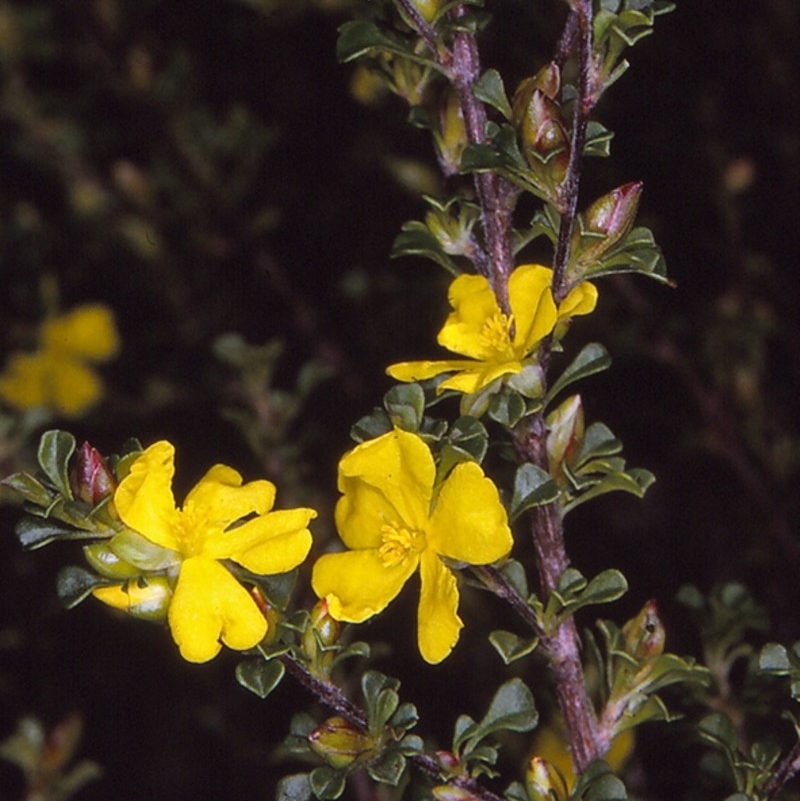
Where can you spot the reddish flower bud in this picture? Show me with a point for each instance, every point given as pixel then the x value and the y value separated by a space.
pixel 613 215
pixel 339 743
pixel 536 113
pixel 644 634
pixel 92 479
pixel 544 781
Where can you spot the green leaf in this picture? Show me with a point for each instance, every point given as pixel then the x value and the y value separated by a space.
pixel 598 140
pixel 405 405
pixel 53 455
pixel 598 440
pixel 74 584
pixel 507 408
pixel 294 788
pixel 512 709
pixel 612 482
pixel 514 573
pixel 415 239
pixel 389 768
pixel 259 676
pixel 593 358
pixel 326 783
pixel 490 89
pixel 34 532
pixel 29 488
pixel 533 486
pixel 481 158
pixel 277 587
pixel 359 38
pixel 371 426
pixel 510 646
pixel 385 706
pixel 406 717
pixel 717 728
pixel 775 659
pixel 469 435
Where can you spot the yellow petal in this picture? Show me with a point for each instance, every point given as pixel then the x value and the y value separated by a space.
pixel 532 305
pixel 438 623
pixel 357 584
pixel 144 498
pixel 209 605
pixel 473 303
pixel 479 375
pixel 87 332
pixel 220 498
pixel 419 371
pixel 22 383
pixel 581 299
pixel 384 480
pixel 274 543
pixel 469 524
pixel 73 388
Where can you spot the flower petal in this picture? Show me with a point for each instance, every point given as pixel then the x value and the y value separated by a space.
pixel 384 480
pixel 479 375
pixel 469 524
pixel 221 499
pixel 87 332
pixel 274 543
pixel 22 383
pixel 419 371
pixel 144 498
pixel 532 305
pixel 357 584
pixel 438 623
pixel 581 299
pixel 73 388
pixel 210 604
pixel 473 303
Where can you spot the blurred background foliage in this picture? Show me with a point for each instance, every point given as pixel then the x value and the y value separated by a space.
pixel 209 172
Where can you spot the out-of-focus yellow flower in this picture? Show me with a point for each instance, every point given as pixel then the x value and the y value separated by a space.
pixel 385 518
pixel 221 518
pixel 479 330
pixel 551 745
pixel 59 375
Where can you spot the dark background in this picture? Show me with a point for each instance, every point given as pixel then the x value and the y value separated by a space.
pixel 204 168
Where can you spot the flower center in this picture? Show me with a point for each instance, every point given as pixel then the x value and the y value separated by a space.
pixel 191 531
pixel 495 333
pixel 397 543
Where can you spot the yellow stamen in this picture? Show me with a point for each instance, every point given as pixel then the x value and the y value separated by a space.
pixel 397 543
pixel 495 333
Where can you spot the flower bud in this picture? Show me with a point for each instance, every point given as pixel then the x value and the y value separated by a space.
pixel 449 763
pixel 537 117
pixel 271 613
pixel 320 637
pixel 544 781
pixel 91 478
pixel 107 563
pixel 565 429
pixel 612 216
pixel 644 634
pixel 147 599
pixel 339 743
pixel 451 138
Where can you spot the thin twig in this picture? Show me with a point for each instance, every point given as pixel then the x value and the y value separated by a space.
pixel 332 697
pixel 584 102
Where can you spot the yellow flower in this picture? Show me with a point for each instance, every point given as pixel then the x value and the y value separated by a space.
pixel 58 375
pixel 385 517
pixel 208 603
pixel 479 330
